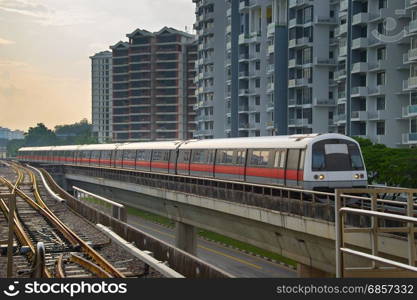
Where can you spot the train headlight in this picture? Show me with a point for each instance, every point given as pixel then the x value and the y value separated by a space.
pixel 362 176
pixel 357 176
pixel 322 177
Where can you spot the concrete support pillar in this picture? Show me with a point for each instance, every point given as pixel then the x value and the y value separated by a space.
pixel 310 272
pixel 186 237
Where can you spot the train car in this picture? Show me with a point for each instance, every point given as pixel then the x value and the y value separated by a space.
pixel 150 156
pixel 308 161
pixel 314 161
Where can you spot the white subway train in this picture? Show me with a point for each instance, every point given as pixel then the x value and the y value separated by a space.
pixel 314 162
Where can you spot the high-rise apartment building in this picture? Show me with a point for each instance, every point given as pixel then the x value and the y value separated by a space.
pixel 102 95
pixel 409 136
pixel 153 88
pixel 210 78
pixel 303 66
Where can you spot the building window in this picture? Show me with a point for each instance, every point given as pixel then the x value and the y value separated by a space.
pixel 382 53
pixel 380 78
pixel 258 65
pixel 257 118
pixel 413 127
pixel 258 47
pixel 382 4
pixel 258 100
pixel 257 83
pixel 380 103
pixel 380 128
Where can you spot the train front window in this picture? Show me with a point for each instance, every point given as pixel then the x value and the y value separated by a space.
pixel 336 155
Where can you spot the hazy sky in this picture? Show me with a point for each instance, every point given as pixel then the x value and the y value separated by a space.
pixel 45 47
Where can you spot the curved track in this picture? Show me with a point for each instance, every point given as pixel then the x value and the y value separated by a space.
pixel 66 253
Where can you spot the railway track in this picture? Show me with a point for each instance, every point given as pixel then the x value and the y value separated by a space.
pixel 67 255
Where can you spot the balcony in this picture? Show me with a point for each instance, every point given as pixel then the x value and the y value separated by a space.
pixel 359 116
pixel 324 61
pixel 325 21
pixel 339 75
pixel 324 102
pixel 360 18
pixel 243 92
pixel 298 122
pixel 271 29
pixel 342 51
pixel 412 55
pixel 294 3
pixel 271 49
pixel 341 96
pixel 410 111
pixel 379 90
pixel 409 84
pixel 344 5
pixel 360 67
pixel 359 91
pixel 410 4
pixel 381 64
pixel 359 43
pixel 245 5
pixel 341 30
pixel 270 125
pixel 269 88
pixel 340 118
pixel 243 75
pixel 243 57
pixel 410 138
pixel 271 68
pixel 381 14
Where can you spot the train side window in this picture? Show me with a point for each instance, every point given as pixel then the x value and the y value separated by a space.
pixel 141 155
pixel 173 157
pixel 119 156
pixel 211 156
pixel 201 156
pixel 160 155
pixel 277 157
pixel 302 158
pixel 293 159
pixel 241 157
pixel 187 155
pixel 129 155
pixel 184 156
pixel 166 156
pixel 260 158
pixel 283 159
pixel 225 157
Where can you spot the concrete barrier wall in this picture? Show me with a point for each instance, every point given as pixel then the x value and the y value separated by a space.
pixel 182 262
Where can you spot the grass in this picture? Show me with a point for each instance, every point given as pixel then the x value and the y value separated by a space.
pixel 212 236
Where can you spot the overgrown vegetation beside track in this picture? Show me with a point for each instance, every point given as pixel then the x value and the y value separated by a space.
pixel 390 166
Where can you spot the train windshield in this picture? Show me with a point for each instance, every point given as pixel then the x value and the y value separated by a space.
pixel 336 155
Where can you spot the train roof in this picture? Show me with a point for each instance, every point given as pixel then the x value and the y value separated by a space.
pixel 266 142
pixel 169 145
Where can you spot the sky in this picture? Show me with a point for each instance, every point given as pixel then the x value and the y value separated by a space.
pixel 45 46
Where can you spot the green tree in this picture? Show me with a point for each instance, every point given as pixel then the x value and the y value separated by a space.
pixel 40 136
pixel 394 167
pixel 13 146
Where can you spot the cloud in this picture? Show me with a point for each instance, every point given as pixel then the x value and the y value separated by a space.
pixel 6 42
pixel 32 8
pixel 46 15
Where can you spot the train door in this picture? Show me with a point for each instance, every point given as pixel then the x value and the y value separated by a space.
pixel 279 167
pixel 292 175
pixel 173 154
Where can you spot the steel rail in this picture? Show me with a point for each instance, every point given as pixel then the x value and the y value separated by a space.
pixel 90 266
pixel 72 236
pixel 59 267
